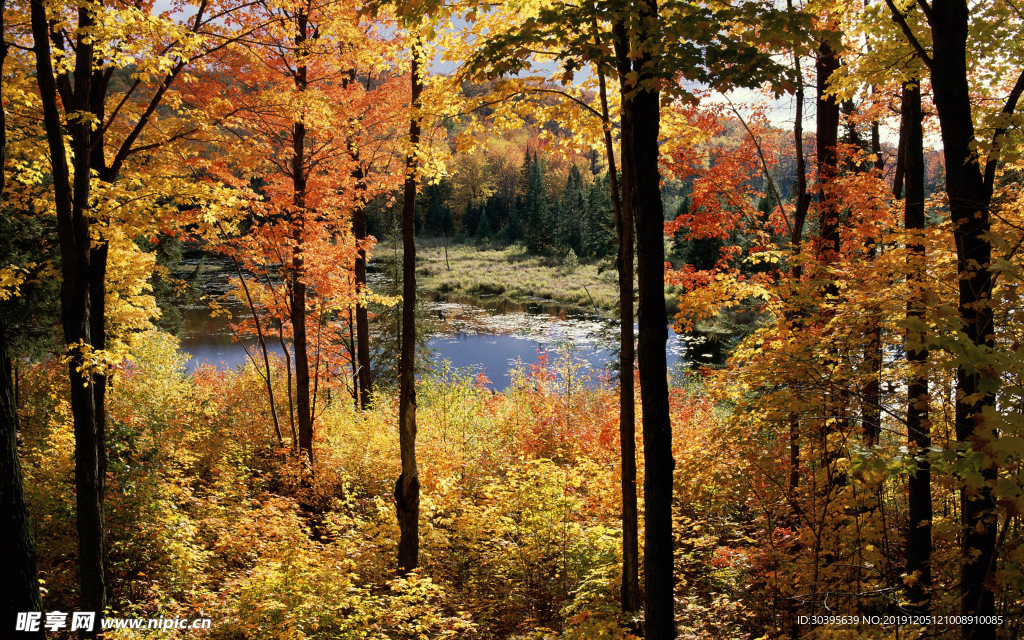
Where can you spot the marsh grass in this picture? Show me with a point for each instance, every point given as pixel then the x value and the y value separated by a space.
pixel 510 271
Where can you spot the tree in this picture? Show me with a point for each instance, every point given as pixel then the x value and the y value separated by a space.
pixel 89 213
pixel 969 188
pixel 919 502
pixel 598 220
pixel 641 195
pixel 293 116
pixel 19 592
pixel 407 487
pixel 536 208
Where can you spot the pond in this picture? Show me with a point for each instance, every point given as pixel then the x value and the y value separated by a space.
pixel 489 335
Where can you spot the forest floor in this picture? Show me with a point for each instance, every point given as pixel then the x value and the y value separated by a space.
pixel 510 271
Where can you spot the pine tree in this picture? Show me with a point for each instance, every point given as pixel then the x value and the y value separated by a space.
pixel 483 227
pixel 569 214
pixel 598 221
pixel 513 231
pixel 536 208
pixel 470 219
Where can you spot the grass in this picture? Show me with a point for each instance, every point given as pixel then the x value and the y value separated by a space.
pixel 488 271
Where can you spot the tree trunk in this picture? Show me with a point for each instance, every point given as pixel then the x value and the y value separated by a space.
pixel 871 392
pixel 802 204
pixel 642 195
pixel 829 243
pixel 630 592
pixel 288 381
pixel 263 346
pixel 362 321
pixel 19 591
pixel 298 286
pixel 919 505
pixel 407 487
pixel 827 117
pixel 72 204
pixel 969 198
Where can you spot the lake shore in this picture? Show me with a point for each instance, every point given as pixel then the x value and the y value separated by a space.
pixel 510 271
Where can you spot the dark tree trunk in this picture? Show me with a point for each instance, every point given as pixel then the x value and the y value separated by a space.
pixel 71 204
pixel 919 505
pixel 642 194
pixel 298 285
pixel 969 198
pixel 827 135
pixel 829 243
pixel 362 321
pixel 802 204
pixel 871 391
pixel 19 590
pixel 407 487
pixel 630 592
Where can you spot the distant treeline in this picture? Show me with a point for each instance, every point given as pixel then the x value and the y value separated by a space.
pixel 515 188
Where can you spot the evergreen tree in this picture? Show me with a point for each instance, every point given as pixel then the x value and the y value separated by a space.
pixel 536 208
pixel 569 214
pixel 470 219
pixel 483 228
pixel 679 242
pixel 434 201
pixel 513 231
pixel 598 233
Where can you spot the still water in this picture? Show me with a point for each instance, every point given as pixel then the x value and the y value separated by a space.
pixel 487 335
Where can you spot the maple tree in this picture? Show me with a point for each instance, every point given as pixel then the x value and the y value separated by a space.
pixel 280 97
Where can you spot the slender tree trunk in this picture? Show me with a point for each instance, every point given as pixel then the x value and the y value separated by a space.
pixel 362 320
pixel 288 373
pixel 642 194
pixel 827 137
pixel 969 198
pixel 263 346
pixel 802 204
pixel 919 504
pixel 19 591
pixel 72 205
pixel 630 592
pixel 407 488
pixel 355 363
pixel 871 391
pixel 298 300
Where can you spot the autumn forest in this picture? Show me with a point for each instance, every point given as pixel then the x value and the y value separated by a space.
pixel 787 236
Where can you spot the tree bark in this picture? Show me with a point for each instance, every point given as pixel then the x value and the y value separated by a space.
pixel 802 204
pixel 630 591
pixel 298 285
pixel 19 591
pixel 642 195
pixel 362 320
pixel 407 487
pixel 827 137
pixel 969 198
pixel 72 203
pixel 919 505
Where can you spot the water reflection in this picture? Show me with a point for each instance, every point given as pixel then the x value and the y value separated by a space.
pixel 491 335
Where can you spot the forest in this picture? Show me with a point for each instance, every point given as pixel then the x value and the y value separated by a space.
pixel 787 236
